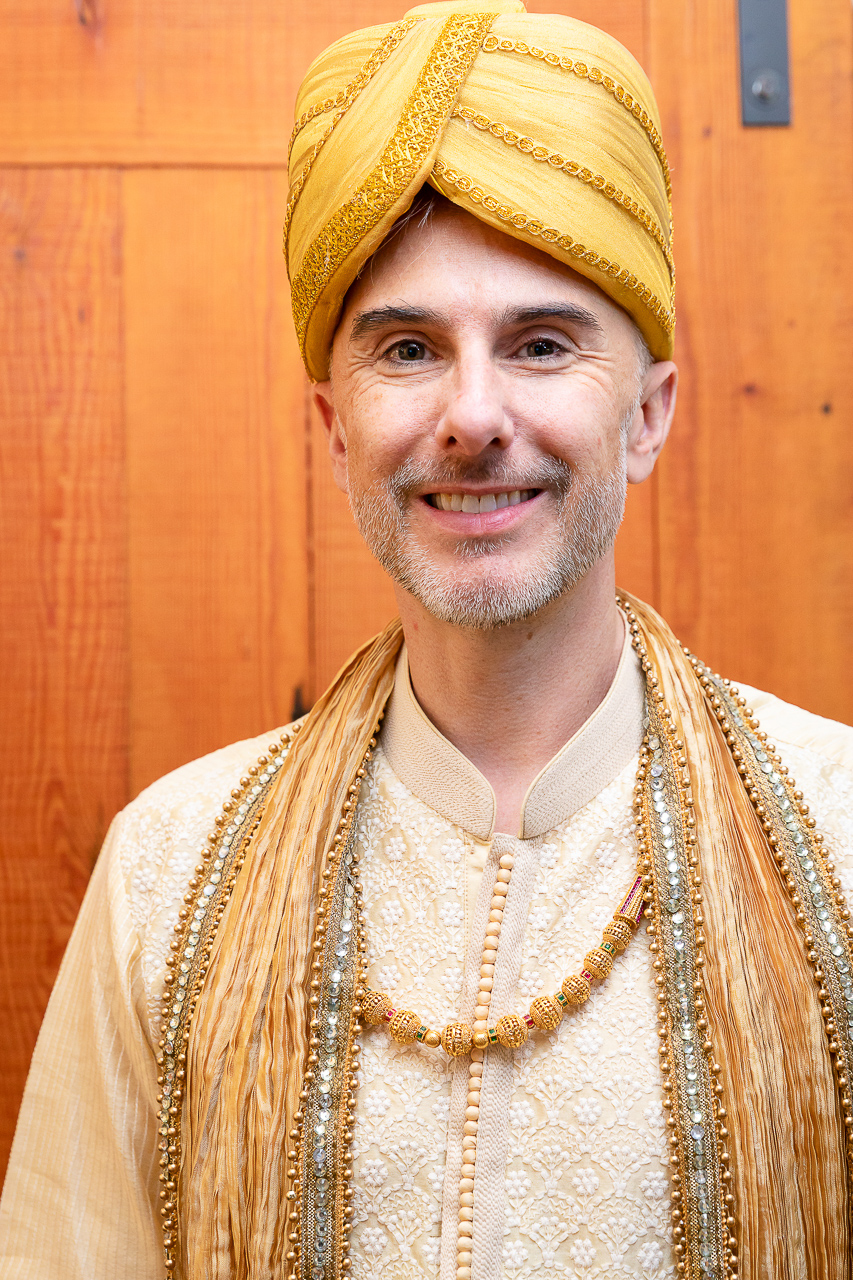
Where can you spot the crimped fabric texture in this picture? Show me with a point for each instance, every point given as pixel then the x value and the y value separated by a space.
pixel 541 126
pixel 249 1036
pixel 787 1131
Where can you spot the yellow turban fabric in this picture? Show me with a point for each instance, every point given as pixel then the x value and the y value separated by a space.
pixel 541 126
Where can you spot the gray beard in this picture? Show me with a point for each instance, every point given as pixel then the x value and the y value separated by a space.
pixel 589 513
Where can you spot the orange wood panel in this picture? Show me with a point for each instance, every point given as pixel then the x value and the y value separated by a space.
pixel 63 640
pixel 756 519
pixel 151 81
pixel 352 596
pixel 154 82
pixel 215 409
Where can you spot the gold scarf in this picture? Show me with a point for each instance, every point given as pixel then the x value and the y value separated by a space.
pixel 238 1001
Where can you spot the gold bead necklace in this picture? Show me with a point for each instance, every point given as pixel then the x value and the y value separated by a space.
pixel 511 1030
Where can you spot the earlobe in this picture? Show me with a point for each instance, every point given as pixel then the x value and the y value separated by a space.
pixel 649 429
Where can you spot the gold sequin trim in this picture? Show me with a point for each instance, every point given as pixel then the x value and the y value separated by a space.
pixel 207 896
pixel 523 222
pixel 807 872
pixel 594 74
pixel 346 96
pixel 558 161
pixel 426 110
pixel 344 101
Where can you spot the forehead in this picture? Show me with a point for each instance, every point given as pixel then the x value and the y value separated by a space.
pixel 452 262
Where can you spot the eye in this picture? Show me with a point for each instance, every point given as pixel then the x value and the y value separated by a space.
pixel 408 351
pixel 541 348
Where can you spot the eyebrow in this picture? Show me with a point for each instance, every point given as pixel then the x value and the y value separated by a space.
pixel 368 321
pixel 552 311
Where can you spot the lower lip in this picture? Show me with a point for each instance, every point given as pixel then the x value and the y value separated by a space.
pixel 471 523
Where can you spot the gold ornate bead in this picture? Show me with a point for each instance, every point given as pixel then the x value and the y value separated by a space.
pixel 598 962
pixel 456 1039
pixel 480 1039
pixel 375 1006
pixel 619 932
pixel 432 1039
pixel 512 1030
pixel 546 1013
pixel 575 988
pixel 404 1026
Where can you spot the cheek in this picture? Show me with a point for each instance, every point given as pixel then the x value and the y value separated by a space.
pixel 583 429
pixel 384 427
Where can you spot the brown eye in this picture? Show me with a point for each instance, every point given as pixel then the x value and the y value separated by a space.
pixel 409 351
pixel 542 347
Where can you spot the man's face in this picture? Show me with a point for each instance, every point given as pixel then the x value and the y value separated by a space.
pixel 484 412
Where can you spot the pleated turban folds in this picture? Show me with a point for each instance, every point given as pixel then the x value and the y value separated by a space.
pixel 541 126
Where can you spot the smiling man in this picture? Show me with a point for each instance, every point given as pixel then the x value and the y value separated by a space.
pixel 401 1020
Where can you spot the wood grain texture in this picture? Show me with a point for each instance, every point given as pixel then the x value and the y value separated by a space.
pixel 756 518
pixel 352 596
pixel 63 635
pixel 215 411
pixel 154 82
pixel 202 82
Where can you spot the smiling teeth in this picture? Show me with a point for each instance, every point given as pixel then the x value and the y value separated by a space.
pixel 473 505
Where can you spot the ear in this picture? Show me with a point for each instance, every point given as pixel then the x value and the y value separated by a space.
pixel 324 400
pixel 650 425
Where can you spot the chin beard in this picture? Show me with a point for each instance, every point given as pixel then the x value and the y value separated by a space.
pixel 479 593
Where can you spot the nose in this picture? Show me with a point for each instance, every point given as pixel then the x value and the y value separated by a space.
pixel 475 417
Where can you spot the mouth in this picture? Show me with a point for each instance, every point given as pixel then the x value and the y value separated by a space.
pixel 479 503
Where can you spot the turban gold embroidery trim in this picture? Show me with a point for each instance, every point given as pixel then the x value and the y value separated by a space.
pixel 534 227
pixel 594 74
pixel 350 92
pixel 557 161
pixel 344 100
pixel 426 111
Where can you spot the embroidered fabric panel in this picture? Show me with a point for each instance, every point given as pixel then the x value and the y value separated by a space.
pixel 587 1191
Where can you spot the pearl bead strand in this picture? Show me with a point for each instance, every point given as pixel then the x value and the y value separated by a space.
pixel 465 1229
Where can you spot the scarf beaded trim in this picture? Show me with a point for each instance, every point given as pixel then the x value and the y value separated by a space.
pixel 315 1210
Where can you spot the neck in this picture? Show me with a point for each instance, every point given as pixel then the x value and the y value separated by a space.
pixel 510 698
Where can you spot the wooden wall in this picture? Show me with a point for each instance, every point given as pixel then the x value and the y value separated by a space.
pixel 178 570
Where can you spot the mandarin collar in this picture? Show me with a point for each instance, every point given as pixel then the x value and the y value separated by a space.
pixel 442 777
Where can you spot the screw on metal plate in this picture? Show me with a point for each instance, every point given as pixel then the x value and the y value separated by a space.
pixel 767 85
pixel 764 79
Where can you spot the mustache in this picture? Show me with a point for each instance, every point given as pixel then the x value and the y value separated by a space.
pixel 413 477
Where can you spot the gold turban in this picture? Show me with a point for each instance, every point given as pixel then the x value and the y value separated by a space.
pixel 541 126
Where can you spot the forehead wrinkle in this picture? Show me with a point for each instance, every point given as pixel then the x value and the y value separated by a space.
pixel 366 322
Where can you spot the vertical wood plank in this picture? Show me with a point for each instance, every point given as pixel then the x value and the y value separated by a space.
pixel 353 597
pixel 63 640
pixel 756 514
pixel 216 464
pixel 154 82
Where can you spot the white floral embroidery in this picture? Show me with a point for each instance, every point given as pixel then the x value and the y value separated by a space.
pixel 587 1187
pixel 585 1132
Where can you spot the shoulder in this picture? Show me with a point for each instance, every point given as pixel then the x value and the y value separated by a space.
pixel 155 843
pixel 791 726
pixel 819 755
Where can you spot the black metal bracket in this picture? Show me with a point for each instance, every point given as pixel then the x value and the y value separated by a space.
pixel 765 90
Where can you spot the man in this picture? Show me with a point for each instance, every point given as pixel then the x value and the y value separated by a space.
pixel 397 1022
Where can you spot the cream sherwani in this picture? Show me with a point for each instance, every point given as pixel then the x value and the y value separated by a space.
pixel 571 1163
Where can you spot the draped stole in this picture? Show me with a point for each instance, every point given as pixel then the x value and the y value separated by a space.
pixel 248 1040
